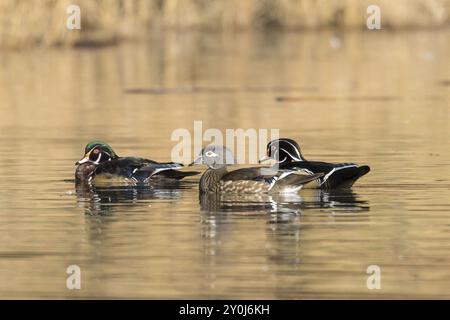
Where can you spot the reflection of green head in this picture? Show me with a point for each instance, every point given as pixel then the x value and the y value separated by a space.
pixel 103 146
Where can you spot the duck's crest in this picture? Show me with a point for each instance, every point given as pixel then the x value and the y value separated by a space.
pixel 103 144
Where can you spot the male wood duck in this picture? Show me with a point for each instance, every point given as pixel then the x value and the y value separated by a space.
pixel 101 164
pixel 246 180
pixel 337 175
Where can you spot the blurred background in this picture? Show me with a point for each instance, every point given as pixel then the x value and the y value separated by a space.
pixel 138 70
pixel 37 23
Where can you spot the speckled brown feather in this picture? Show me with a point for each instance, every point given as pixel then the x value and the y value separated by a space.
pixel 251 180
pixel 83 172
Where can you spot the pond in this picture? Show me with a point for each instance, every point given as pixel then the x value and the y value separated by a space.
pixel 374 98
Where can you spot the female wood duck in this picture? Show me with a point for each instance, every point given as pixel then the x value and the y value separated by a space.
pixel 101 164
pixel 337 175
pixel 246 180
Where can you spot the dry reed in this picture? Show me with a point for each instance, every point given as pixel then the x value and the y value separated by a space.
pixel 43 22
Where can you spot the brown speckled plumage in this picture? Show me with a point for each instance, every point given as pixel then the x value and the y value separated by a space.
pixel 246 180
pixel 251 180
pixel 83 172
pixel 210 180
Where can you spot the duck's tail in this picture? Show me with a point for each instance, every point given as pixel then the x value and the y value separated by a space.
pixel 175 174
pixel 346 177
pixel 165 170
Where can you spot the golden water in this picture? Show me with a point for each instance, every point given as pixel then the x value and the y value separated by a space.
pixel 373 98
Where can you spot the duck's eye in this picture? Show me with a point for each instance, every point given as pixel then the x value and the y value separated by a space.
pixel 96 151
pixel 210 154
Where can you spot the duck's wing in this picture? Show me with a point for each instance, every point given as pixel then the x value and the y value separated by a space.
pixel 175 174
pixel 268 179
pixel 167 170
pixel 292 180
pixel 252 173
pixel 270 175
pixel 336 174
pixel 310 167
pixel 124 167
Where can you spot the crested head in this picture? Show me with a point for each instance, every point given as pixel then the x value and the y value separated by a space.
pixel 97 152
pixel 284 150
pixel 216 156
pixel 101 145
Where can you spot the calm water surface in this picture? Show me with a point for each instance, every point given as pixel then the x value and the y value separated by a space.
pixel 375 98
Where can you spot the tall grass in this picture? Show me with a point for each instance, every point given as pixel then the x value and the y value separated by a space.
pixel 43 22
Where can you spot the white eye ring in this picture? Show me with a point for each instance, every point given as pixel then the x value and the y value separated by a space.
pixel 210 154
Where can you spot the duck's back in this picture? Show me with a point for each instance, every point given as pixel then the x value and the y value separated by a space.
pixel 134 170
pixel 122 167
pixel 315 166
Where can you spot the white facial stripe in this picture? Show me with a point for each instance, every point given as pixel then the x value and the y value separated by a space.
pixel 211 154
pixel 92 149
pixel 295 148
pixel 99 150
pixel 292 157
pixel 98 159
pixel 99 155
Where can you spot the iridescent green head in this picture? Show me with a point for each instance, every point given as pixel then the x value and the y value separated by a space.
pixel 101 145
pixel 97 152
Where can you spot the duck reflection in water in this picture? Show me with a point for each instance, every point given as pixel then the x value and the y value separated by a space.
pixel 224 209
pixel 280 244
pixel 247 204
pixel 252 204
pixel 102 201
pixel 339 200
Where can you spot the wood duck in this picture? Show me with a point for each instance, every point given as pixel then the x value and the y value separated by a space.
pixel 246 180
pixel 337 175
pixel 101 164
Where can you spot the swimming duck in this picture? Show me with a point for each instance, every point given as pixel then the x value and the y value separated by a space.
pixel 246 180
pixel 101 164
pixel 337 175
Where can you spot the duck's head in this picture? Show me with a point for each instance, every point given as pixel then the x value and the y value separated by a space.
pixel 97 152
pixel 215 157
pixel 283 150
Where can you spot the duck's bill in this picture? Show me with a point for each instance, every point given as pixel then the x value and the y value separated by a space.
pixel 84 160
pixel 264 159
pixel 198 160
